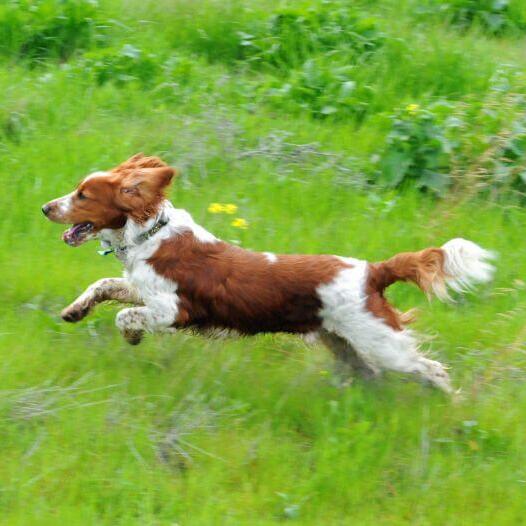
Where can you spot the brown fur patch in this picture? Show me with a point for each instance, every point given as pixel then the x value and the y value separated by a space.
pixel 424 268
pixel 222 285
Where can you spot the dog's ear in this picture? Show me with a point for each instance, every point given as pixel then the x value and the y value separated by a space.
pixel 134 158
pixel 139 160
pixel 148 181
pixel 141 190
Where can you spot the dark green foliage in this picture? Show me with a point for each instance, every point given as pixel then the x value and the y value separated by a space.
pixel 292 36
pixel 418 149
pixel 11 126
pixel 122 66
pixel 309 53
pixel 503 161
pixel 330 60
pixel 41 29
pixel 322 87
pixel 494 16
pixel 481 143
pixel 512 161
pixel 131 66
pixel 313 52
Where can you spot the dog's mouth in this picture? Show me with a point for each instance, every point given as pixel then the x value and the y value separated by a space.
pixel 78 234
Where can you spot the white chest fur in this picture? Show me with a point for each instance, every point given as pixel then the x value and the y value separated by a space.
pixel 159 294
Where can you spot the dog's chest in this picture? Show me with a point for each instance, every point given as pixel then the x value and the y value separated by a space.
pixel 153 288
pixel 150 284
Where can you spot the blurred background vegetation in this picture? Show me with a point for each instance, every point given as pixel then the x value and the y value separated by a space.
pixel 359 128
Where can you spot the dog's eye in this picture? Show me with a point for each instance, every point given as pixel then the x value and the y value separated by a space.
pixel 80 195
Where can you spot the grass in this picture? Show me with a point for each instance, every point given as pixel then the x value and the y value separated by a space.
pixel 183 430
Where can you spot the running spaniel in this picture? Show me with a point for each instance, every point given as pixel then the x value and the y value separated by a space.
pixel 178 275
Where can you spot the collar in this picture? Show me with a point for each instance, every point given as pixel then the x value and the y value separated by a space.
pixel 141 238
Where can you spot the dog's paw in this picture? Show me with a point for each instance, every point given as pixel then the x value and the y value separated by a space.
pixel 74 313
pixel 133 337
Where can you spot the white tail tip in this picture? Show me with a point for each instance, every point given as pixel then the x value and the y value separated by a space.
pixel 466 264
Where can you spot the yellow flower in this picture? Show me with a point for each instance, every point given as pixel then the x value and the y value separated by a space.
pixel 220 208
pixel 239 222
pixel 230 209
pixel 216 208
pixel 412 108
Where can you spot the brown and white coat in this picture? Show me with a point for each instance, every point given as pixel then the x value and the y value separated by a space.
pixel 181 276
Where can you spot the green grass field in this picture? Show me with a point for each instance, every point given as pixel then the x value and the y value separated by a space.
pixel 299 131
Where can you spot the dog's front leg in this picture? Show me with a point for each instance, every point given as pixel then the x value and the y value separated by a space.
pixel 107 289
pixel 157 316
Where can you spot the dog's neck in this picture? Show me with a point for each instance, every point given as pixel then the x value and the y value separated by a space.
pixel 136 237
pixel 137 233
pixel 123 240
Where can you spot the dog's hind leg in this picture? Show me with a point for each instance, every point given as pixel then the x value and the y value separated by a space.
pixel 106 289
pixel 347 356
pixel 387 349
pixel 357 312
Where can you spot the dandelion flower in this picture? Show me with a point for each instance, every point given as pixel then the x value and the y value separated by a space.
pixel 412 108
pixel 230 209
pixel 239 222
pixel 216 208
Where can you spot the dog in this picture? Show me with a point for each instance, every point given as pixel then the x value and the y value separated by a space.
pixel 180 276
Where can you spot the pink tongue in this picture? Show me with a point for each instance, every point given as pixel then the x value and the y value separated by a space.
pixel 71 232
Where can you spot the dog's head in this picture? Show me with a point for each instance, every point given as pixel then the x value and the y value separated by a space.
pixel 103 200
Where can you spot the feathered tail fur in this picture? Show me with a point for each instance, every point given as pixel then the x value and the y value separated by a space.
pixel 458 265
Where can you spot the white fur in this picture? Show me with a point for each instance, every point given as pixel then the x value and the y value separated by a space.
pixel 160 299
pixel 344 313
pixel 271 257
pixel 466 264
pixel 64 203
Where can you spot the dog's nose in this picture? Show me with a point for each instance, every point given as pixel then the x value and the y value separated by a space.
pixel 45 209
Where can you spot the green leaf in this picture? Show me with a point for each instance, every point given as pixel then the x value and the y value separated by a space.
pixel 435 181
pixel 394 165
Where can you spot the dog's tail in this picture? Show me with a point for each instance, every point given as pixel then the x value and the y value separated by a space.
pixel 459 264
